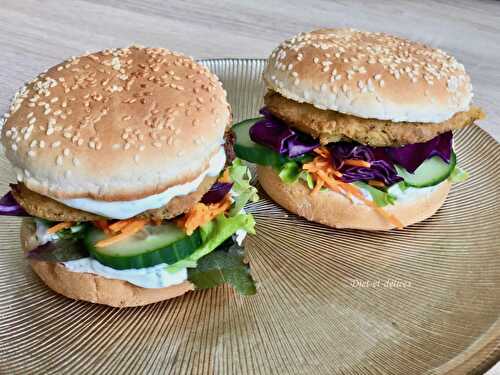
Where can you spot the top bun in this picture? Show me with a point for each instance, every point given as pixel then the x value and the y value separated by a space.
pixel 370 75
pixel 119 124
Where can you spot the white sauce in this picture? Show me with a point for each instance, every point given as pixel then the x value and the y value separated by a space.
pixel 127 209
pixel 41 233
pixel 409 194
pixel 149 277
pixel 412 193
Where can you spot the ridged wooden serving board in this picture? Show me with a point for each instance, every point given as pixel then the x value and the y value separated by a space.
pixel 425 300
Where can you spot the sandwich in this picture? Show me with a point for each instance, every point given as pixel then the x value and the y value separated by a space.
pixel 126 178
pixel 357 128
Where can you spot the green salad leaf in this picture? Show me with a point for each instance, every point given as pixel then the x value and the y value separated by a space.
pixel 458 175
pixel 224 265
pixel 290 172
pixel 213 234
pixel 243 192
pixel 381 198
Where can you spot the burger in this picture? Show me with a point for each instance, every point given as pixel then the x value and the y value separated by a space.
pixel 126 178
pixel 357 128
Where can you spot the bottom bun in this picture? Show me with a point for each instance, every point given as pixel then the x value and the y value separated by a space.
pixel 337 211
pixel 94 288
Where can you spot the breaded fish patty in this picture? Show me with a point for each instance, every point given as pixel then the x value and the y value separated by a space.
pixel 46 208
pixel 331 126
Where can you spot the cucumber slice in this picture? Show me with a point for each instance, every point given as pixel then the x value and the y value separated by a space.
pixel 248 150
pixel 153 245
pixel 431 172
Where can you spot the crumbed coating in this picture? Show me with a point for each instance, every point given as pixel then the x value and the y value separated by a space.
pixel 332 126
pixel 46 208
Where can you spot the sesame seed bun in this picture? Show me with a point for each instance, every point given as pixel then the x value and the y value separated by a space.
pixel 94 288
pixel 337 211
pixel 118 124
pixel 369 75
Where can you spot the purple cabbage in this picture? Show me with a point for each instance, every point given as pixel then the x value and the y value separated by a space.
pixel 216 193
pixel 411 156
pixel 271 134
pixel 381 167
pixel 10 207
pixel 276 135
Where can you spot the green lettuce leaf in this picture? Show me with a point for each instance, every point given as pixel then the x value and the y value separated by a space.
pixel 307 177
pixel 458 175
pixel 381 198
pixel 243 191
pixel 213 234
pixel 224 265
pixel 290 172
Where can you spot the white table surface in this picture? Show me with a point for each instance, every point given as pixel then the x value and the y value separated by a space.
pixel 35 35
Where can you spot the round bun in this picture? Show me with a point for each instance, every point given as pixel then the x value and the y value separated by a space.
pixel 370 75
pixel 337 211
pixel 93 288
pixel 118 124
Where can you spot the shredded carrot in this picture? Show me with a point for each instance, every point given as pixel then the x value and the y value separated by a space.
pixel 376 183
pixel 60 226
pixel 127 228
pixel 119 225
pixel 225 178
pixel 101 224
pixel 324 173
pixel 317 187
pixel 357 163
pixel 201 214
pixel 322 151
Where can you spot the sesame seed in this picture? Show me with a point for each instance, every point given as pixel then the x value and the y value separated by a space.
pixel 59 160
pixel 56 144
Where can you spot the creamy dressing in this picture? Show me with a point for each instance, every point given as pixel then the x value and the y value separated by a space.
pixel 41 233
pixel 149 277
pixel 127 209
pixel 411 193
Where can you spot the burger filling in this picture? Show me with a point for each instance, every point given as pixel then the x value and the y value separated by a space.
pixel 374 176
pixel 126 209
pixel 202 245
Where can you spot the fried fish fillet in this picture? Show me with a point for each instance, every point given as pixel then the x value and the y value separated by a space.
pixel 331 126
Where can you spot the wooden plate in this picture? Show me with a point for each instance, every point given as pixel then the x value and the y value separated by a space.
pixel 422 300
